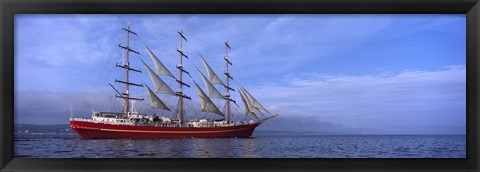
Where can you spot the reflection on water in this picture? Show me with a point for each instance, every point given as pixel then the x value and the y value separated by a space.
pixel 71 146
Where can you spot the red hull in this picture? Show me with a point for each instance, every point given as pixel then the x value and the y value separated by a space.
pixel 108 131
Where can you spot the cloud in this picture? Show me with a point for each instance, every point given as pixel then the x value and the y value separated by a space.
pixel 408 102
pixel 288 41
pixel 62 40
pixel 64 52
pixel 59 46
pixel 266 40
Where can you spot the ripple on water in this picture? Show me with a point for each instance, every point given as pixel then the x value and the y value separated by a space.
pixel 261 147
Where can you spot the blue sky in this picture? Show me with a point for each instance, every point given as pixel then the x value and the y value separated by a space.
pixel 340 74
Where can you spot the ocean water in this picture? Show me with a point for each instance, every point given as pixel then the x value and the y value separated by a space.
pixel 259 146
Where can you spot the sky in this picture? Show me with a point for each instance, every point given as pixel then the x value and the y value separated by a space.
pixel 332 74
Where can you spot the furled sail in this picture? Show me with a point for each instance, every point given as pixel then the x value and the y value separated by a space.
pixel 207 104
pixel 247 106
pixel 160 86
pixel 212 91
pixel 214 79
pixel 253 101
pixel 155 102
pixel 161 69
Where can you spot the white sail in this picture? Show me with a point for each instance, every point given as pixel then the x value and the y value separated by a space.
pixel 247 106
pixel 155 102
pixel 212 91
pixel 254 101
pixel 160 86
pixel 251 106
pixel 161 69
pixel 257 111
pixel 213 78
pixel 207 104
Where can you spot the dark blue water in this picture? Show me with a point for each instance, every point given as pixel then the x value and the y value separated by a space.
pixel 260 146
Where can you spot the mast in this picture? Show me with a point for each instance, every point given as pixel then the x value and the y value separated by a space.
pixel 181 112
pixel 126 66
pixel 227 77
pixel 127 63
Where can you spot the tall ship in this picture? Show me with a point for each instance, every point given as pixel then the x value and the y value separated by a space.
pixel 134 125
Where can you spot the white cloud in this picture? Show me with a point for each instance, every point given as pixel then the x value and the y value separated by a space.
pixel 284 41
pixel 410 99
pixel 291 40
pixel 64 51
pixel 59 40
pixel 410 102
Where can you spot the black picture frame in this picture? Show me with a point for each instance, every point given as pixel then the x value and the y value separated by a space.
pixel 9 8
